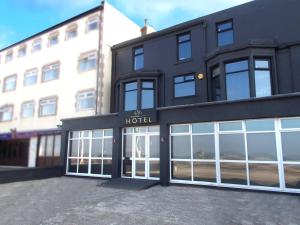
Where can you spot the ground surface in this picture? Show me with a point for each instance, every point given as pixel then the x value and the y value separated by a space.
pixel 71 201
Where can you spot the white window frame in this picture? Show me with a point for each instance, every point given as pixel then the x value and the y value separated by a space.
pixel 51 37
pixel 49 68
pixel 9 56
pixel 6 80
pixel 83 96
pixel 22 51
pixel 47 102
pixel 30 73
pixel 85 58
pixel 90 138
pixel 36 45
pixel 90 21
pixel 6 109
pixel 25 106
pixel 279 162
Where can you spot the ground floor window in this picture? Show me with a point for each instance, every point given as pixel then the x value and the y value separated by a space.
pixel 90 152
pixel 141 152
pixel 256 154
pixel 49 150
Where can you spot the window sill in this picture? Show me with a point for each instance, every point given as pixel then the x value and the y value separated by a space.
pixel 183 61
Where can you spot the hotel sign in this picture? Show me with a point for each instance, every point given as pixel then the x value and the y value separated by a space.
pixel 139 117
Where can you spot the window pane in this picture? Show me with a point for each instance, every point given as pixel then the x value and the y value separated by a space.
pixel 290 123
pixel 184 51
pixel 233 173
pixel 225 38
pixel 57 145
pixel 138 51
pixel 49 146
pixel 262 83
pixel 72 166
pixel 181 147
pixel 264 175
pixel 292 176
pixel 262 64
pixel 180 128
pixel 107 165
pixel 140 168
pixel 181 170
pixel 96 148
pixel 203 128
pixel 260 125
pixel 236 66
pixel 237 86
pixel 127 167
pixel 232 146
pixel 216 88
pixel 74 148
pixel 83 166
pixel 127 146
pixel 139 62
pixel 140 147
pixel 224 26
pixel 96 165
pixel 97 133
pixel 154 168
pixel 107 147
pixel 230 126
pixel 147 99
pixel 131 86
pixel 204 147
pixel 205 171
pixel 108 133
pixel 184 37
pixel 85 149
pixel 154 147
pixel 290 146
pixel 42 147
pixel 148 84
pixel 185 89
pixel 179 79
pixel 130 100
pixel 262 147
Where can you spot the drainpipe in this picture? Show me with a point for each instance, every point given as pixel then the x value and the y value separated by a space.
pixel 99 57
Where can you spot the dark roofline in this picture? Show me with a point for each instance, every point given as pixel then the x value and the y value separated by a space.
pixel 175 28
pixel 95 9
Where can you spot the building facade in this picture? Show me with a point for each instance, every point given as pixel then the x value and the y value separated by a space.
pixel 213 101
pixel 61 72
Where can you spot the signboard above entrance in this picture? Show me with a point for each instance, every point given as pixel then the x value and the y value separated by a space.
pixel 139 117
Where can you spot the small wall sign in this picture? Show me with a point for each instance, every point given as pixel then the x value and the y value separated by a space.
pixel 139 117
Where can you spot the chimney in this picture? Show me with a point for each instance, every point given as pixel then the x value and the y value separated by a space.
pixel 147 29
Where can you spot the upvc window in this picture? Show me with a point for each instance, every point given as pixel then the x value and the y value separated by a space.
pixel 184 46
pixel 184 86
pixel 36 45
pixel 53 40
pixel 50 72
pixel 138 58
pixel 27 110
pixel 48 107
pixel 237 80
pixel 6 113
pixel 22 51
pixel 131 96
pixel 86 100
pixel 88 62
pixel 216 84
pixel 92 24
pixel 225 33
pixel 10 83
pixel 30 77
pixel 262 77
pixel 9 56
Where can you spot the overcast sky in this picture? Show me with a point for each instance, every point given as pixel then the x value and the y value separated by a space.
pixel 22 18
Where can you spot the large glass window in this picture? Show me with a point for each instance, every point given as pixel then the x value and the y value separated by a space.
pixel 131 93
pixel 49 150
pixel 138 58
pixel 184 86
pixel 184 46
pixel 90 153
pixel 92 23
pixel 225 33
pixel 262 78
pixel 50 72
pixel 261 153
pixel 237 80
pixel 53 40
pixel 139 95
pixel 216 84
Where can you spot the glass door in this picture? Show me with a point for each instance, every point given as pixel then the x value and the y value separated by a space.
pixel 140 156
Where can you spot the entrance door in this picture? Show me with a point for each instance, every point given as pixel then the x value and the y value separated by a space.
pixel 141 157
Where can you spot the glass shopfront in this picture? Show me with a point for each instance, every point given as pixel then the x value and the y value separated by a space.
pixel 141 155
pixel 90 153
pixel 257 154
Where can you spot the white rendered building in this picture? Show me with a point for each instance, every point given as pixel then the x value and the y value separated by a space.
pixel 61 72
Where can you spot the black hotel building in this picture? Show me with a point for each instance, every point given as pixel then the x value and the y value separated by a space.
pixel 214 101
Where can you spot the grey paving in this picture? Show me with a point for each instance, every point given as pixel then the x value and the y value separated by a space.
pixel 70 201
